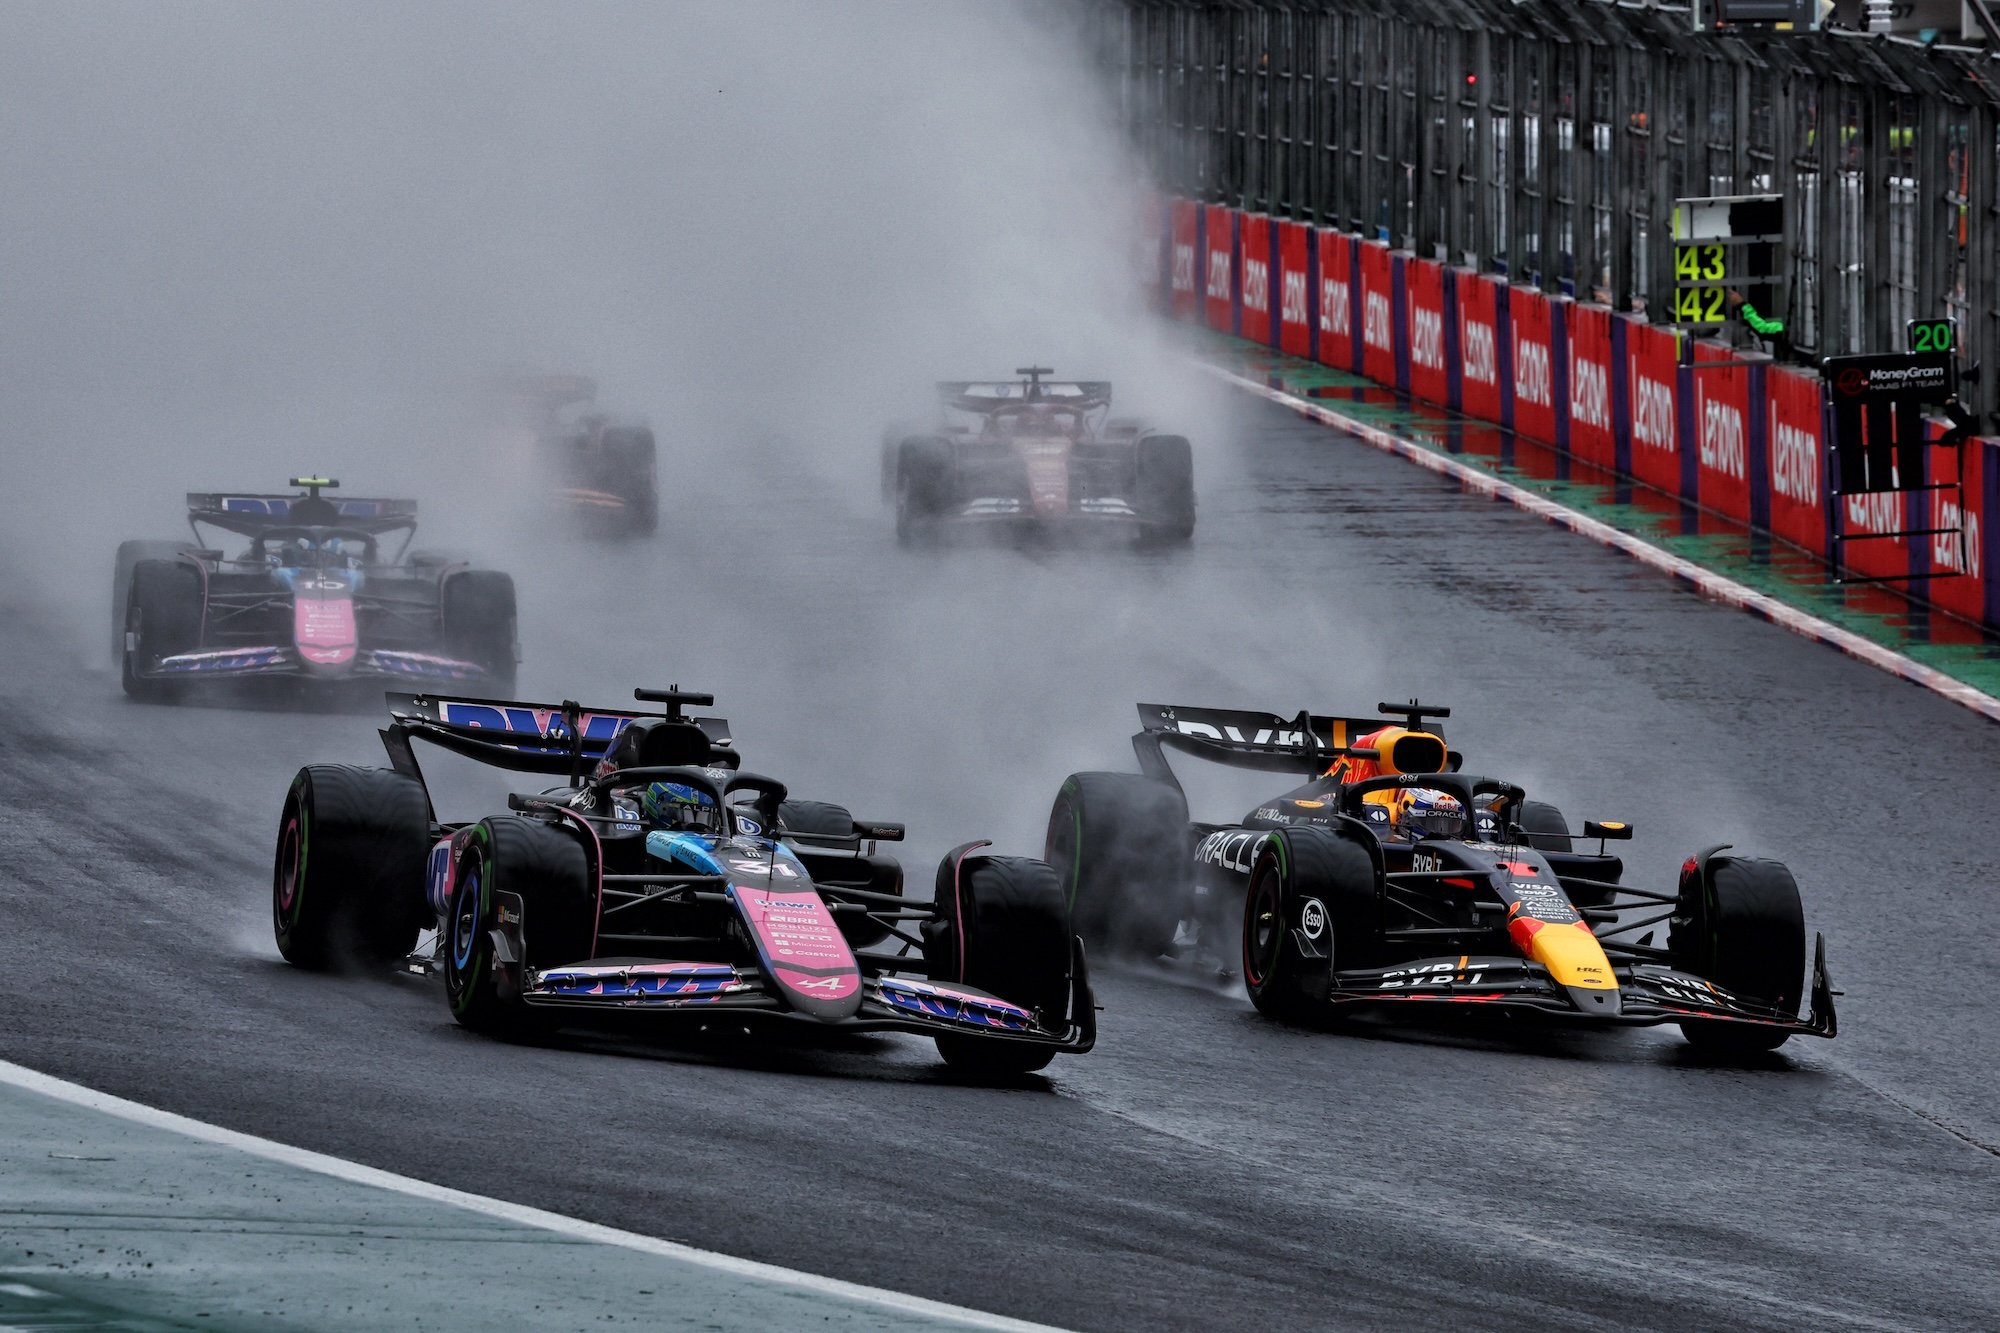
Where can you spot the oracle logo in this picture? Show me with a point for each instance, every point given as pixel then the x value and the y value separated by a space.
pixel 1218 275
pixel 1256 285
pixel 1723 445
pixel 1652 412
pixel 1589 394
pixel 1292 299
pixel 1794 462
pixel 1482 357
pixel 1376 330
pixel 1534 379
pixel 1183 268
pixel 1336 307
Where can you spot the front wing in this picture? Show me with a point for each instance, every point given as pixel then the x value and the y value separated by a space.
pixel 889 1003
pixel 278 660
pixel 1648 993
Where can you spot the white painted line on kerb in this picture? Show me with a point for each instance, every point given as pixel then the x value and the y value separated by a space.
pixel 76 1094
pixel 1708 583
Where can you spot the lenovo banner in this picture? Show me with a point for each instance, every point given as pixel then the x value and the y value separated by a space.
pixel 1378 317
pixel 1592 436
pixel 1219 269
pixel 1184 258
pixel 1339 300
pixel 1478 316
pixel 1430 347
pixel 1259 322
pixel 1296 271
pixel 1531 321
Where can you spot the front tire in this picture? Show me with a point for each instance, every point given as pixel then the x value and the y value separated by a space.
pixel 347 886
pixel 163 614
pixel 923 488
pixel 1002 927
pixel 1739 923
pixel 544 870
pixel 1164 473
pixel 1119 846
pixel 1313 908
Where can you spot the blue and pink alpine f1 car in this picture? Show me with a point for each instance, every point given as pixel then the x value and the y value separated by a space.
pixel 662 879
pixel 312 596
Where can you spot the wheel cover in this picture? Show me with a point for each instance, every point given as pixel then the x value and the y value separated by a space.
pixel 1263 926
pixel 292 859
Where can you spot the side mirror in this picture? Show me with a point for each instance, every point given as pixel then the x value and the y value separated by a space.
pixel 878 832
pixel 1611 829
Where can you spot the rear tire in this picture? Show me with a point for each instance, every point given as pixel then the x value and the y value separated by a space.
pixel 347 887
pixel 163 614
pixel 1293 869
pixel 1740 924
pixel 476 608
pixel 923 488
pixel 1165 486
pixel 631 453
pixel 1119 846
pixel 546 869
pixel 1002 927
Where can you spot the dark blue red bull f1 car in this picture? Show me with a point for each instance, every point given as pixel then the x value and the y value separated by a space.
pixel 314 595
pixel 661 879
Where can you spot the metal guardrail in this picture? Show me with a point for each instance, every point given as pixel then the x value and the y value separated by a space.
pixel 1547 140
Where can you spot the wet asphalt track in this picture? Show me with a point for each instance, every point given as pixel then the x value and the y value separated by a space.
pixel 1204 1168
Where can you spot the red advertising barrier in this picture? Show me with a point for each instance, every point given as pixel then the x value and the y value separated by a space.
pixel 1965 594
pixel 1149 246
pixel 1722 437
pixel 1797 483
pixel 1530 322
pixel 1253 231
pixel 1218 269
pixel 1592 436
pixel 1423 287
pixel 1378 320
pixel 1478 345
pixel 1184 233
pixel 1653 404
pixel 1336 299
pixel 1295 330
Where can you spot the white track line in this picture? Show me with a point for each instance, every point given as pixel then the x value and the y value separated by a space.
pixel 77 1095
pixel 1708 583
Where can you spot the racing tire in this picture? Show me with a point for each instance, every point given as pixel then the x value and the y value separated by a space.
pixel 347 886
pixel 874 874
pixel 129 555
pixel 1001 926
pixel 1120 847
pixel 923 488
pixel 163 614
pixel 476 608
pixel 1739 923
pixel 432 558
pixel 631 452
pixel 1546 828
pixel 1164 482
pixel 1313 908
pixel 546 869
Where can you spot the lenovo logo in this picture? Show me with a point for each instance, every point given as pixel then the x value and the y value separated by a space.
pixel 1652 411
pixel 1945 549
pixel 1376 330
pixel 1292 299
pixel 1257 286
pixel 1589 394
pixel 1336 307
pixel 1794 462
pixel 1482 359
pixel 1723 447
pixel 1534 379
pixel 1218 275
pixel 1183 268
pixel 1427 338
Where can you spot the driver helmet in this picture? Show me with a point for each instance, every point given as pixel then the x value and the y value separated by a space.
pixel 675 805
pixel 1433 814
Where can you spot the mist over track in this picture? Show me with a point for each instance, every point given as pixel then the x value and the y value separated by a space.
pixel 295 240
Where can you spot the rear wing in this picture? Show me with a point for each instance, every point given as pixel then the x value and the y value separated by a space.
pixel 246 513
pixel 987 396
pixel 1306 744
pixel 562 738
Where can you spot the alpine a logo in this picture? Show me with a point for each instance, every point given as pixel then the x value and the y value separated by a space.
pixel 819 983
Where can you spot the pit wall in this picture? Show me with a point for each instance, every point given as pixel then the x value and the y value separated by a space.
pixel 1605 390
